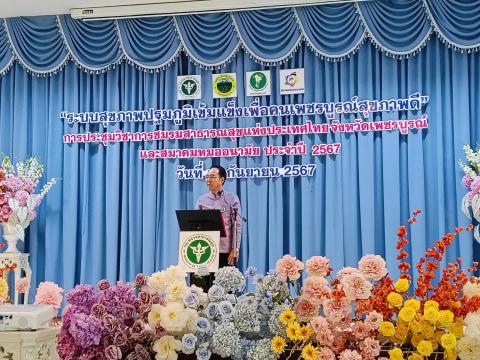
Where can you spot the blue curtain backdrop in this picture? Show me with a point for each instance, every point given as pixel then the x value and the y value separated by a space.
pixel 112 214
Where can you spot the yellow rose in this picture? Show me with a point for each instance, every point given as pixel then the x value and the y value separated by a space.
pixel 402 285
pixel 415 356
pixel 434 344
pixel 457 328
pixel 428 331
pixel 413 303
pixel 445 318
pixel 399 338
pixel 3 289
pixel 448 341
pixel 431 303
pixel 415 326
pixel 430 314
pixel 395 299
pixel 450 354
pixel 278 344
pixel 386 328
pixel 395 354
pixel 406 314
pixel 416 340
pixel 425 348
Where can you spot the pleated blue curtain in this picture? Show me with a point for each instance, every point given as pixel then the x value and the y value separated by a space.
pixel 112 214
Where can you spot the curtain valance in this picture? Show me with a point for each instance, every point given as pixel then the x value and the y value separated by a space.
pixel 400 28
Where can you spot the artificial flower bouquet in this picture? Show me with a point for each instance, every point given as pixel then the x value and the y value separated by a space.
pixel 362 313
pixel 471 181
pixel 18 199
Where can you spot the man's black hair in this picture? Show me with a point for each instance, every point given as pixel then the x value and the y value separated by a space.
pixel 221 172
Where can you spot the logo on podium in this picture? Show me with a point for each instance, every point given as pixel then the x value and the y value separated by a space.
pixel 199 250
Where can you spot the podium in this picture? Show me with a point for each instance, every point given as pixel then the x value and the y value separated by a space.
pixel 199 242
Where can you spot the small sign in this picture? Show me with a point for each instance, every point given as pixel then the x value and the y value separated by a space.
pixel 258 83
pixel 199 249
pixel 224 85
pixel 189 87
pixel 292 81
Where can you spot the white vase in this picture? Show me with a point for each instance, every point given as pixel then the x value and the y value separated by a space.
pixel 11 237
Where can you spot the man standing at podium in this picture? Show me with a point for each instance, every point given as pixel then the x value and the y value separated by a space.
pixel 229 205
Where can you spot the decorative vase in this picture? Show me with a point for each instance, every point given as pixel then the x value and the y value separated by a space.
pixel 11 237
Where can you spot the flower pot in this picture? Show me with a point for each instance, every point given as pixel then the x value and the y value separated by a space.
pixel 11 237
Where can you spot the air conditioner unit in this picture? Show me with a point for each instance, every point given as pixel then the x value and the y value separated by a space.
pixel 173 7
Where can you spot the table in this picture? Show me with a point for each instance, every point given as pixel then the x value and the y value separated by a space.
pixel 29 345
pixel 21 260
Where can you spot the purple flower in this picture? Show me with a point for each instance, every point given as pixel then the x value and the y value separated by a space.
pixel 467 181
pixel 156 299
pixel 142 352
pixel 98 310
pixel 145 297
pixel 110 322
pixel 86 330
pixel 83 296
pixel 137 331
pixel 120 339
pixel 66 346
pixel 22 197
pixel 115 298
pixel 113 353
pixel 103 284
pixel 159 331
pixel 128 311
pixel 475 185
pixel 140 280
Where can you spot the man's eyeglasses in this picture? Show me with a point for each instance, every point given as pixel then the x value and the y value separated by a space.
pixel 211 177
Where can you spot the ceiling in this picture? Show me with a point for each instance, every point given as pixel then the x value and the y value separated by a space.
pixel 54 7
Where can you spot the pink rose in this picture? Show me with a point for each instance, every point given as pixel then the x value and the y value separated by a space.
pixel 350 355
pixel 318 266
pixel 325 337
pixel 370 348
pixel 306 309
pixel 22 197
pixel 103 284
pixel 22 285
pixel 289 267
pixel 373 267
pixel 336 309
pixel 316 287
pixel 113 353
pixel 361 330
pixel 373 320
pixel 467 181
pixel 475 184
pixel 347 271
pixel 355 286
pixel 49 293
pixel 325 353
pixel 338 344
pixel 319 324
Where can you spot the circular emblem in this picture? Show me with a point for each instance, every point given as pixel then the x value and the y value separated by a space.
pixel 224 85
pixel 198 250
pixel 258 81
pixel 189 87
pixel 222 209
pixel 291 79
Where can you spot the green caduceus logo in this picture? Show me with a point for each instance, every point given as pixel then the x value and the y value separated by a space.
pixel 199 251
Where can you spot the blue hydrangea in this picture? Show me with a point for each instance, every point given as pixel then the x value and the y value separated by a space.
pixel 226 340
pixel 230 278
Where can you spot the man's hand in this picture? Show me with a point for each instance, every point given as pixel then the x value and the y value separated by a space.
pixel 232 257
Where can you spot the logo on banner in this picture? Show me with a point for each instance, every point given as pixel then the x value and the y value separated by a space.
pixel 189 87
pixel 199 250
pixel 258 83
pixel 224 85
pixel 292 81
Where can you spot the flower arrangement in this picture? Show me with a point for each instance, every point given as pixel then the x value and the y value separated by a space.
pixel 18 199
pixel 353 314
pixel 471 181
